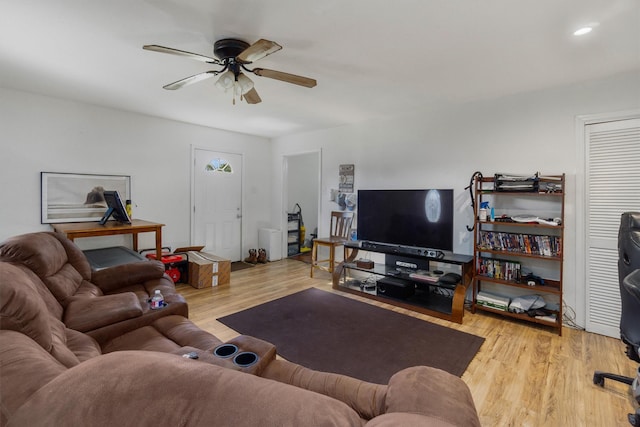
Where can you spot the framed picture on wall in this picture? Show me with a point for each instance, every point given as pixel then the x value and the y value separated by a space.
pixel 346 178
pixel 75 197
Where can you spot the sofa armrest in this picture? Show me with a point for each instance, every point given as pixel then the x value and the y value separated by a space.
pixel 121 276
pixel 433 393
pixel 367 399
pixel 87 314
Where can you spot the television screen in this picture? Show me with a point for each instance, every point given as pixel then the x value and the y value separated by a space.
pixel 421 218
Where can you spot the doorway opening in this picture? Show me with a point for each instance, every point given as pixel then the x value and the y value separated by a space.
pixel 301 194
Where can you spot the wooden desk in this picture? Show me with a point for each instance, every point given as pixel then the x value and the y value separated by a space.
pixel 74 230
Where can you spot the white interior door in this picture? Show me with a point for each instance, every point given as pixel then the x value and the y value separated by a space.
pixel 217 203
pixel 612 187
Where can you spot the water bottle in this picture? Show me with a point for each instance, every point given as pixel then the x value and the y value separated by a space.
pixel 157 301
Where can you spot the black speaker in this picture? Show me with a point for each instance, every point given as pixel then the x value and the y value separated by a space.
pixel 395 288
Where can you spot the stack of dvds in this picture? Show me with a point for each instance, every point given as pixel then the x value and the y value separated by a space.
pixel 531 244
pixel 499 269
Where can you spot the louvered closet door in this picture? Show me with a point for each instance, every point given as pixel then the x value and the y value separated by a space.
pixel 612 187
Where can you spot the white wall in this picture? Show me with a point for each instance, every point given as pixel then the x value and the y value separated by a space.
pixel 47 134
pixel 442 148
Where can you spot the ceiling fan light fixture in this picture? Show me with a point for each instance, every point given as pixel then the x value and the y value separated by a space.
pixel 226 81
pixel 243 84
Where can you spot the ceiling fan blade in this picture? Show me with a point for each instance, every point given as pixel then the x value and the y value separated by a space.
pixel 197 57
pixel 285 77
pixel 252 97
pixel 258 50
pixel 190 80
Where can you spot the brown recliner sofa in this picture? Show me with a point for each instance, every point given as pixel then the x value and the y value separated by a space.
pixel 52 374
pixel 104 303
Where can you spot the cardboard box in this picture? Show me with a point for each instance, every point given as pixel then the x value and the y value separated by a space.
pixel 207 270
pixel 221 269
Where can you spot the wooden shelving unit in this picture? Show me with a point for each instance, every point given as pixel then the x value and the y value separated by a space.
pixel 517 248
pixel 294 221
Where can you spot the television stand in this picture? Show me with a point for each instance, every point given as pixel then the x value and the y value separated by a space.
pixel 427 296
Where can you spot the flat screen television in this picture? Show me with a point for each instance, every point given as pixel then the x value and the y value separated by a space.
pixel 115 208
pixel 419 218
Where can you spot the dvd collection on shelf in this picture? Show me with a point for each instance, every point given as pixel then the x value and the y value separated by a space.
pixel 498 269
pixel 530 244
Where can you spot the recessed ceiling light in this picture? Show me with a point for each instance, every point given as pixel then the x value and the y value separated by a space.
pixel 585 29
pixel 582 31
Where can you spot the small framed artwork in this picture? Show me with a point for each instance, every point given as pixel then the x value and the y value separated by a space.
pixel 346 178
pixel 75 197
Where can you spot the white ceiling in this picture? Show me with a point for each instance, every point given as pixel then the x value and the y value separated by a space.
pixel 371 58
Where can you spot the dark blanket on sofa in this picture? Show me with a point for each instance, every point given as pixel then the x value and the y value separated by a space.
pixel 332 333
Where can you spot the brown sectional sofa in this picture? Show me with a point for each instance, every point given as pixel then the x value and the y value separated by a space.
pixel 103 303
pixel 79 347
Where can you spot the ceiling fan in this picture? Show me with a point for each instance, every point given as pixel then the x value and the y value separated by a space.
pixel 234 56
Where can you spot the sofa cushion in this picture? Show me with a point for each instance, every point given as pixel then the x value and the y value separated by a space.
pixel 88 290
pixel 82 345
pixel 55 259
pixel 25 368
pixel 145 338
pixel 176 305
pixel 75 256
pixel 86 314
pixel 59 348
pixel 52 305
pixel 64 283
pixel 41 252
pixel 166 334
pixel 21 308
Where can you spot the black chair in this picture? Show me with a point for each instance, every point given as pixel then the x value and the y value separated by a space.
pixel 629 277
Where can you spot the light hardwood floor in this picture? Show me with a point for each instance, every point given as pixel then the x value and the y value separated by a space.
pixel 523 375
